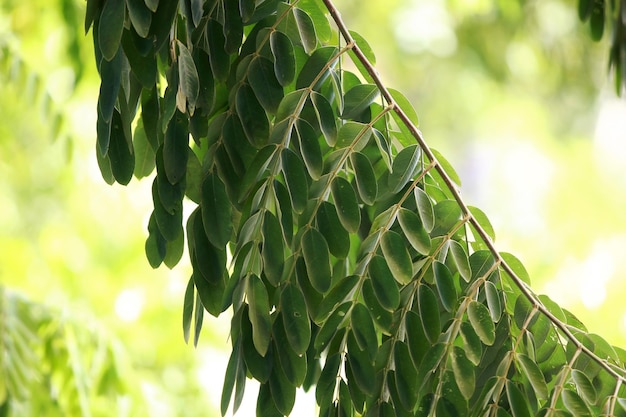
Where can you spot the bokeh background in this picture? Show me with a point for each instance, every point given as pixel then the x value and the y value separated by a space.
pixel 513 93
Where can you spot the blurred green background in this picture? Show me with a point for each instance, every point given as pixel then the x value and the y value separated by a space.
pixel 514 93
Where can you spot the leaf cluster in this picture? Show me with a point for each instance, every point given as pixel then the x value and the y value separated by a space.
pixel 342 246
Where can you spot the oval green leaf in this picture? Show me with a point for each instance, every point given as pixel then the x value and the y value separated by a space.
pixel 366 183
pixel 480 318
pixel 346 204
pixel 295 318
pixel 414 231
pixel 397 256
pixel 429 312
pixel 383 283
pixel 317 259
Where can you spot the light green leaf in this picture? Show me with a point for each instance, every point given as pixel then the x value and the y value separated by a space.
pixel 575 404
pixel 152 4
pixel 216 211
pixel 111 27
pixel 346 204
pixel 429 313
pixel 471 343
pixel 398 258
pixel 447 167
pixel 405 105
pixel 357 99
pixel 463 372
pixel 384 284
pixel 425 209
pixel 445 285
pixel 459 258
pixel 414 231
pixel 316 257
pixel 353 134
pixel 517 266
pixel 534 375
pixel 188 75
pixel 493 301
pixel 585 386
pixel 259 314
pixel 447 215
pixel 481 321
pixel 295 318
pixel 284 58
pixel 484 222
pixel 405 166
pixel 366 183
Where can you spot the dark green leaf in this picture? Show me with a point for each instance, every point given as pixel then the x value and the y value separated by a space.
pixel 110 28
pixel 263 81
pixel 367 186
pixel 246 9
pixel 447 216
pixel 121 156
pixel 209 262
pixel 284 58
pixel 253 118
pixel 140 16
pixel 493 301
pixel 328 379
pixel 337 295
pixel 306 29
pixel 397 257
pixel 316 69
pixel 459 258
pixel 346 204
pixel 405 166
pixel 295 318
pixel 273 249
pixel 144 154
pixel 325 117
pixel 384 284
pixel 481 321
pixel 414 231
pixel 362 367
pixel 429 313
pixel 416 339
pixel 259 367
pixel 517 400
pixel 354 135
pixel 259 314
pixel 193 178
pixel 235 368
pixel 357 99
pixel 329 225
pixel 216 211
pixel 174 251
pixel 294 365
pixel 152 4
pixel 316 257
pixel 188 307
pixel 329 328
pixel 445 285
pixel 405 376
pixel 363 330
pixel 218 58
pixel 574 403
pixel 265 406
pixel 310 148
pixel 596 20
pixel 176 148
pixel 156 245
pixel 295 176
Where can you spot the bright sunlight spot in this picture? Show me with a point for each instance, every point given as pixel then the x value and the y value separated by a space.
pixel 128 304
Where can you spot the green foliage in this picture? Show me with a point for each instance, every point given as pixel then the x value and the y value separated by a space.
pixel 604 15
pixel 54 365
pixel 347 255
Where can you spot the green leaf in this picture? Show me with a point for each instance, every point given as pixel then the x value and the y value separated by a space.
pixel 416 339
pixel 122 158
pixel 517 266
pixel 273 249
pixel 265 406
pixel 493 301
pixel 144 154
pixel 246 9
pixel 176 148
pixel 384 284
pixel 405 105
pixel 328 379
pixel 471 343
pixel 140 16
pixel 326 117
pixel 156 245
pixel 306 28
pixel 295 318
pixel 357 99
pixel 252 115
pixel 336 296
pixel 405 376
pixel 397 256
pixel 463 370
pixel 481 321
pixel 329 328
pixel 310 148
pixel 596 20
pixel 259 367
pixel 295 176
pixel 208 261
pixel 534 375
pixel 405 166
pixel 517 400
pixel 216 211
pixel 425 209
pixel 259 314
pixel 484 222
pixel 447 215
pixel 366 183
pixel 316 68
pixel 284 58
pixel 363 330
pixel 110 28
pixel 445 286
pixel 346 204
pixel 235 368
pixel 152 4
pixel 447 167
pixel 336 236
pixel 316 257
pixel 574 403
pixel 585 386
pixel 414 231
pixel 189 83
pixel 459 257
pixel 218 58
pixel 429 313
pixel 188 307
pixel 294 365
pixel 266 87
pixel 361 366
pixel 354 135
